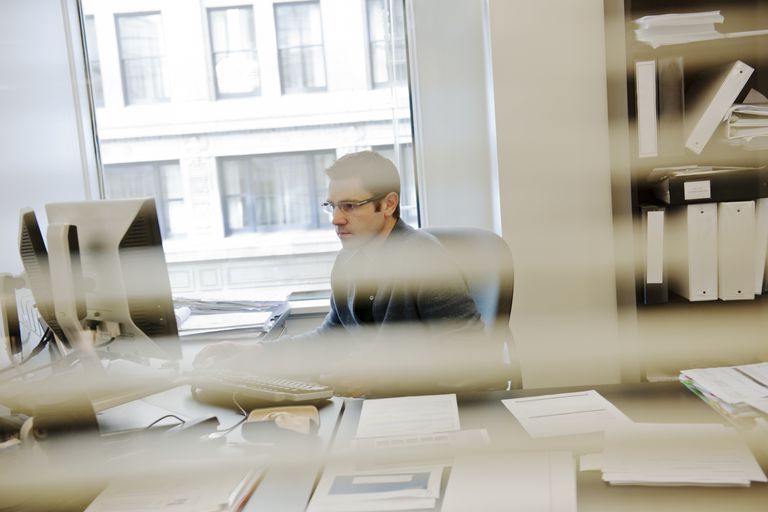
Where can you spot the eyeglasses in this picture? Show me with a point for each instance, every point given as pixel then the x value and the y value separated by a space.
pixel 348 206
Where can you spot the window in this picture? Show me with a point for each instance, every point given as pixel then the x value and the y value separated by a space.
pixel 270 192
pixel 300 46
pixel 233 49
pixel 386 42
pixel 161 180
pixel 142 56
pixel 239 183
pixel 97 86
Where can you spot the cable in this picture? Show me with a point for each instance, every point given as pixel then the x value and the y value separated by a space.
pixel 233 427
pixel 161 418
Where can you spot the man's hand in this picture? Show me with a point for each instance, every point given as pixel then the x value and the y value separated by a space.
pixel 227 354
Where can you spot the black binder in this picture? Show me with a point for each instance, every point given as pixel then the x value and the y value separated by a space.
pixel 698 184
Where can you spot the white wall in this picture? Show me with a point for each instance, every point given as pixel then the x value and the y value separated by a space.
pixel 42 155
pixel 554 174
pixel 452 138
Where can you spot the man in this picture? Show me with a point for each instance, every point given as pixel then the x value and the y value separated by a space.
pixel 387 274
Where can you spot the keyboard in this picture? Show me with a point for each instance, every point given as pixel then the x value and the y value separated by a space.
pixel 248 390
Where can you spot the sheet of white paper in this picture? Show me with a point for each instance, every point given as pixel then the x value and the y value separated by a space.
pixel 565 413
pixel 512 482
pixel 758 372
pixel 408 416
pixel 726 383
pixel 761 404
pixel 678 454
pixel 430 449
pixel 168 494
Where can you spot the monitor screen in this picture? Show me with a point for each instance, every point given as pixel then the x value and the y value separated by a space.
pixel 124 278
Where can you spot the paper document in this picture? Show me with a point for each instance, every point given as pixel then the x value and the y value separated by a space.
pixel 217 321
pixel 408 415
pixel 512 482
pixel 565 413
pixel 431 449
pixel 341 488
pixel 187 493
pixel 761 404
pixel 726 383
pixel 758 372
pixel 678 454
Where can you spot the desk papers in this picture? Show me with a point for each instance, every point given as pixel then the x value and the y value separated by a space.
pixel 565 413
pixel 678 454
pixel 512 482
pixel 731 384
pixel 410 415
pixel 226 490
pixel 343 489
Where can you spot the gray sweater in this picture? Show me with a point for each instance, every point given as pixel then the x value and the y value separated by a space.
pixel 410 278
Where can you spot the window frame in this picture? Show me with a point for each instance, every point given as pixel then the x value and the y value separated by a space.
pixel 93 61
pixel 304 88
pixel 127 101
pixel 212 53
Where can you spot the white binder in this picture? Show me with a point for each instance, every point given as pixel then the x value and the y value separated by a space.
pixel 647 122
pixel 736 250
pixel 761 242
pixel 707 104
pixel 692 251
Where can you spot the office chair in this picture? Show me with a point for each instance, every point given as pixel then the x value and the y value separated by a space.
pixel 485 261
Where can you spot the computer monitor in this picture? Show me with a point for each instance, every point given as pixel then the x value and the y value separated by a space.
pixel 115 266
pixel 34 257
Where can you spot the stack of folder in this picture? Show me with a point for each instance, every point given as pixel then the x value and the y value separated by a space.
pixel 709 240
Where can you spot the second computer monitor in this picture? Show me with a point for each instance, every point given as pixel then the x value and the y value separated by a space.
pixel 124 280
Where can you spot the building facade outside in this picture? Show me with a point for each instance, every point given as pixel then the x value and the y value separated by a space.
pixel 229 112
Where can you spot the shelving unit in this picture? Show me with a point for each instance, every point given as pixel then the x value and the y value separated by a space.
pixel 678 334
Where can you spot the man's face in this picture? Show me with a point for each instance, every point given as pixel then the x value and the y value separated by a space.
pixel 363 223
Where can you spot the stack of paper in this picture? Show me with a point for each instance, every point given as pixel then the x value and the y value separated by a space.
pixel 678 454
pixel 730 389
pixel 226 319
pixel 747 123
pixel 421 425
pixel 665 29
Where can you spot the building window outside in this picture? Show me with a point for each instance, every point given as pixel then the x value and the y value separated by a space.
pixel 300 47
pixel 161 180
pixel 94 63
pixel 274 192
pixel 233 49
pixel 142 57
pixel 386 42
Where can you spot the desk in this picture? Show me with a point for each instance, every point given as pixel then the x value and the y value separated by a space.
pixel 288 487
pixel 647 402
